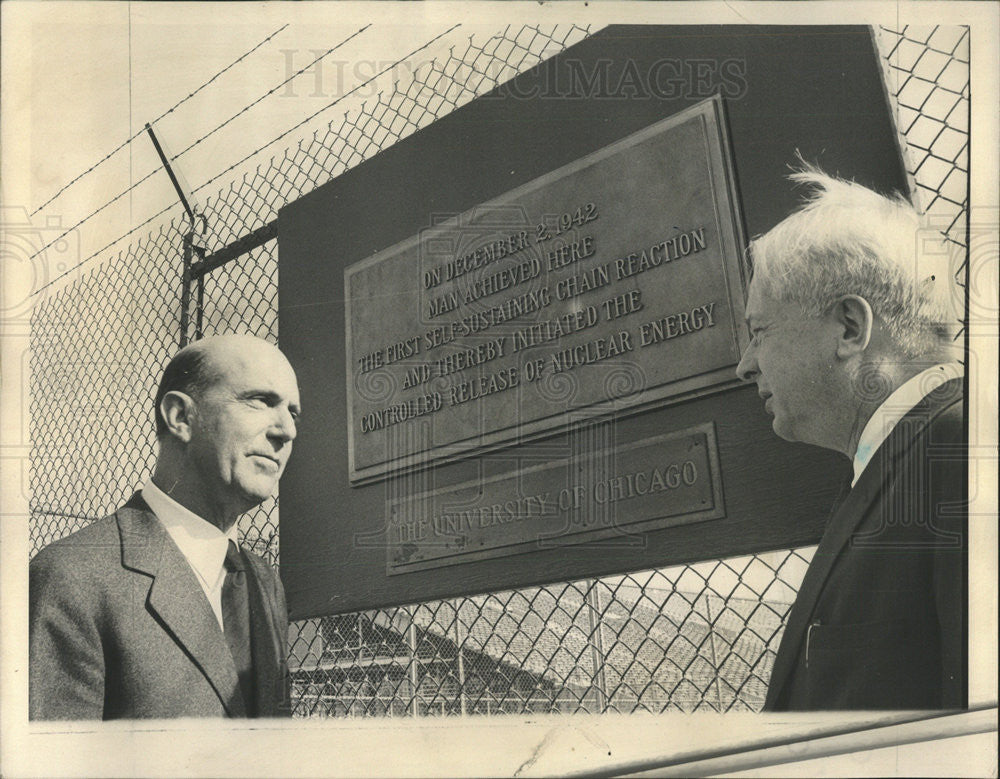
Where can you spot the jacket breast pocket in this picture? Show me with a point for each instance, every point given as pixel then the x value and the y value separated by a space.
pixel 871 665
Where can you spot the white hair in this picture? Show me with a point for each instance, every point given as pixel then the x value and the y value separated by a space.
pixel 849 240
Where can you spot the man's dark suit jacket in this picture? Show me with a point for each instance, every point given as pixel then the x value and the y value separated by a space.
pixel 880 619
pixel 120 628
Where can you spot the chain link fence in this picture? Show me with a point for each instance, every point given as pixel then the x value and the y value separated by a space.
pixel 684 638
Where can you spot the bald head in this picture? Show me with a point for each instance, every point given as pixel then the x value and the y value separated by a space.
pixel 226 414
pixel 203 363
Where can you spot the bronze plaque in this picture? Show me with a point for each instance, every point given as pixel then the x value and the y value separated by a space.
pixel 613 283
pixel 612 493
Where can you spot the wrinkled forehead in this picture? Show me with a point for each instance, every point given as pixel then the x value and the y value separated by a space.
pixel 254 365
pixel 762 304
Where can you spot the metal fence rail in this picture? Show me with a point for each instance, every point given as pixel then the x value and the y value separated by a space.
pixel 684 638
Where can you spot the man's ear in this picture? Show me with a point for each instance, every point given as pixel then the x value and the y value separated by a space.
pixel 177 410
pixel 855 321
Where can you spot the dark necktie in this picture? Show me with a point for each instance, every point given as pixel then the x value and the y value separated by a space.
pixel 236 622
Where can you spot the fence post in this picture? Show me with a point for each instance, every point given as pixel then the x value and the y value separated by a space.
pixel 189 246
pixel 199 308
pixel 593 600
pixel 461 661
pixel 712 647
pixel 414 674
pixel 186 287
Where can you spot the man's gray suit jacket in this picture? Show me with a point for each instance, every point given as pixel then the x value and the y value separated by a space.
pixel 120 628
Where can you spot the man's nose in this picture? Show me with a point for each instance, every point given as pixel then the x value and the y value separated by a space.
pixel 284 427
pixel 747 369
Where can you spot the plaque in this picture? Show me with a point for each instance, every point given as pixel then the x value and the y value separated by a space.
pixel 612 495
pixel 611 284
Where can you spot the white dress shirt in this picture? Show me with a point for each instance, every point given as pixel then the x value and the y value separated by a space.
pixel 897 406
pixel 203 545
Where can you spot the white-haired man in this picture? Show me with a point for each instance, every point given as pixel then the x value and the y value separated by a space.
pixel 853 350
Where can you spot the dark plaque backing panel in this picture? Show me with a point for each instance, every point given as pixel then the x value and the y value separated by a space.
pixel 816 90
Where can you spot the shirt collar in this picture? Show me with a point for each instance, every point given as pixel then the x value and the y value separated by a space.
pixel 897 406
pixel 203 545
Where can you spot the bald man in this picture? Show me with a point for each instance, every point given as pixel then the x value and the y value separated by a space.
pixel 155 611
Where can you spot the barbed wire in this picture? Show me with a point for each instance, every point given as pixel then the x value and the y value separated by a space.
pixel 270 92
pixel 235 165
pixel 329 106
pixel 155 170
pixel 166 113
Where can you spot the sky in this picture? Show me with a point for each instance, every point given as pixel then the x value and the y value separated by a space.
pixel 91 75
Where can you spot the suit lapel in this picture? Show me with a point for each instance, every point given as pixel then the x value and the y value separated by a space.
pixel 177 598
pixel 265 651
pixel 844 523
